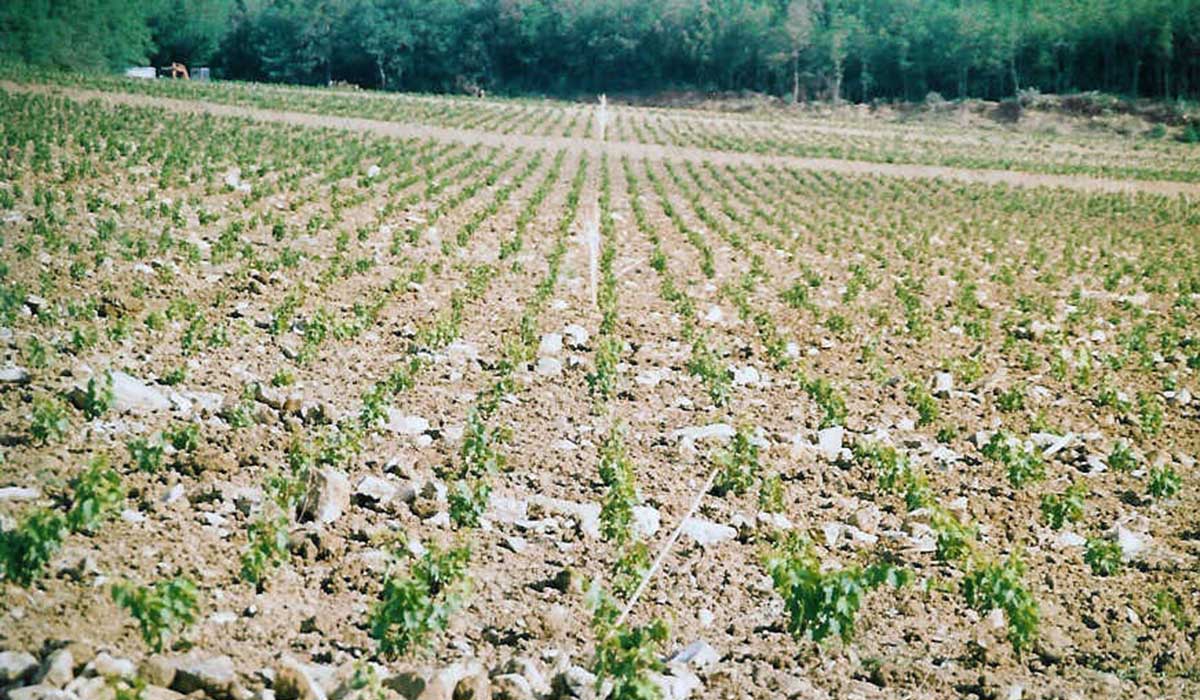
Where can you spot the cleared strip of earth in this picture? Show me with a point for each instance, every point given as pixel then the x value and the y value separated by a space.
pixel 619 148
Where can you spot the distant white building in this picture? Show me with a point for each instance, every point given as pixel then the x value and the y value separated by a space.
pixel 144 72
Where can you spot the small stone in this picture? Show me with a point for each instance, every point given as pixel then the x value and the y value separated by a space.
pixel 650 377
pixel 943 384
pixel 1132 543
pixel 1052 644
pixel 213 675
pixel 130 395
pixel 59 669
pixel 39 692
pixel 1067 539
pixel 382 494
pixel 327 497
pixel 406 425
pixel 688 437
pixel 699 655
pixel 551 344
pixel 18 493
pixel 35 302
pixel 575 335
pixel 576 682
pixel 294 682
pixel 678 685
pixel 460 352
pixel 706 532
pixel 548 366
pixel 157 670
pixel 745 376
pixel 829 442
pixel 555 620
pixel 705 617
pixel 529 670
pixel 833 533
pixel 16 665
pixel 112 667
pixel 867 518
pixel 944 455
pixel 511 686
pixel 155 692
pixel 14 375
pixel 770 521
pixel 94 688
pixel 466 679
pixel 586 514
pixel 408 684
pixel 646 521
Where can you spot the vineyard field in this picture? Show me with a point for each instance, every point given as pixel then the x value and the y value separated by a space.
pixel 314 394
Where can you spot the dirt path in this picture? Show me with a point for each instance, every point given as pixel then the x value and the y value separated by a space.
pixel 622 148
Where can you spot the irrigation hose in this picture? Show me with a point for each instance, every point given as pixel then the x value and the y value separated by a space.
pixel 662 553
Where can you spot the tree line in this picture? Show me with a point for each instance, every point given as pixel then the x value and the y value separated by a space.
pixel 858 50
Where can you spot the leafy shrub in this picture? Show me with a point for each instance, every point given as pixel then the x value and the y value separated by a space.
pixel 1150 414
pixel 479 459
pixel 1103 555
pixel 630 567
pixel 267 548
pixel 795 296
pixel 1168 609
pixel 625 656
pixel 953 537
pixel 998 586
pixel 1164 481
pixel 98 396
pixel 770 494
pixel 706 363
pixel 738 465
pixel 49 420
pixel 147 456
pixel 1122 459
pixel 1067 507
pixel 1022 463
pixel 97 494
pixel 820 604
pixel 831 403
pixel 412 609
pixel 1190 133
pixel 616 512
pixel 920 398
pixel 603 382
pixel 1011 400
pixel 185 438
pixel 27 548
pixel 890 467
pixel 614 465
pixel 160 610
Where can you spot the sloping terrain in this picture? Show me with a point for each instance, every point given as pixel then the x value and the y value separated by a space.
pixel 300 404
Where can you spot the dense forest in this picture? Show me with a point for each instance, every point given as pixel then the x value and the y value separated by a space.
pixel 799 49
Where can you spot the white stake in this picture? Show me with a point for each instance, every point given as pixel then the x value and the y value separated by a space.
pixel 602 117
